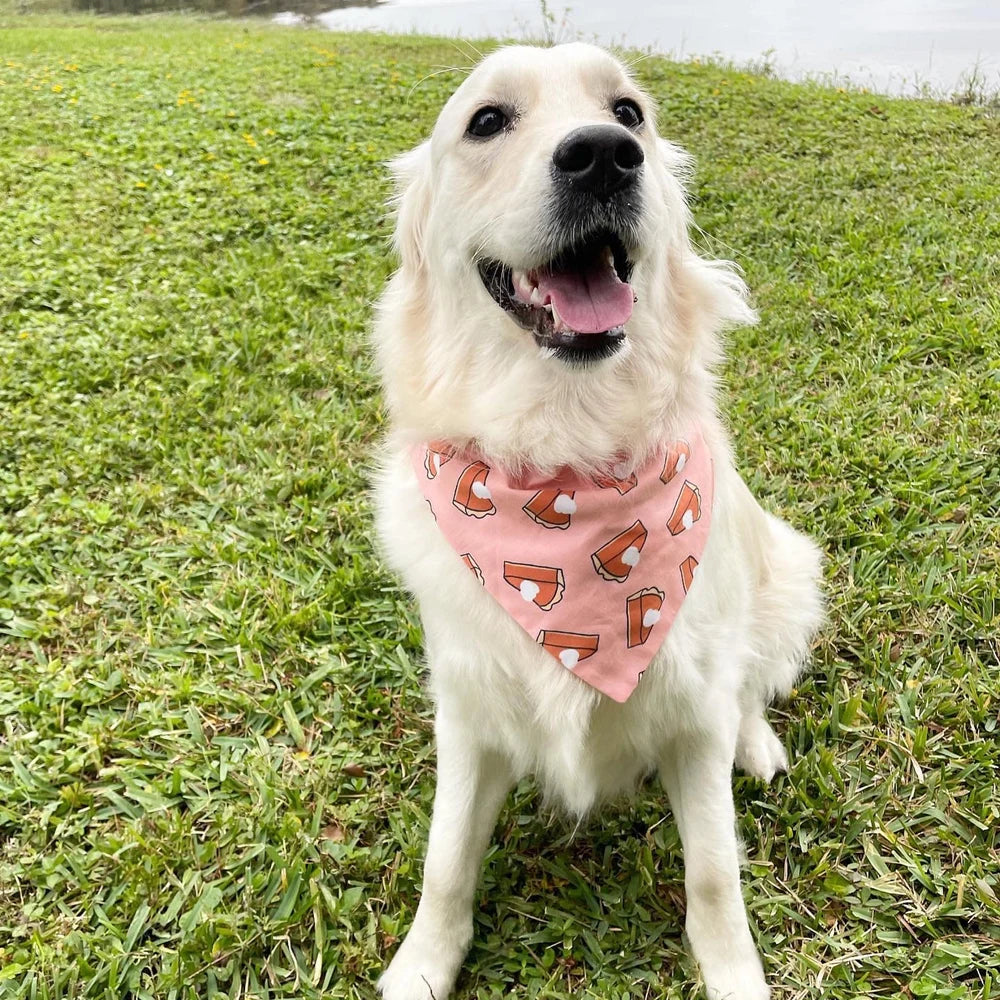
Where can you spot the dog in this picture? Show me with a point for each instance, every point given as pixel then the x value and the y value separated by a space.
pixel 551 326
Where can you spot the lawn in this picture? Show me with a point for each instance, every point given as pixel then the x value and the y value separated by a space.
pixel 215 754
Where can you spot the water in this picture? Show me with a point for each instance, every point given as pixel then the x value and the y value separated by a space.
pixel 896 46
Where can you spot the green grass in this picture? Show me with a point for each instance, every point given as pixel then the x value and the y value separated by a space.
pixel 215 756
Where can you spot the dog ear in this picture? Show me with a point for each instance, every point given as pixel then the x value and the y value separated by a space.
pixel 412 201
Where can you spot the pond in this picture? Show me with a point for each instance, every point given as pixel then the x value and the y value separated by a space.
pixel 900 46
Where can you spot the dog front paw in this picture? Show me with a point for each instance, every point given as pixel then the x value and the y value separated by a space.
pixel 735 981
pixel 758 750
pixel 421 970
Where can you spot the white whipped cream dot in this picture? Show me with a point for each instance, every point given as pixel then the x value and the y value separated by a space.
pixel 529 589
pixel 650 618
pixel 631 556
pixel 564 504
pixel 482 491
pixel 569 658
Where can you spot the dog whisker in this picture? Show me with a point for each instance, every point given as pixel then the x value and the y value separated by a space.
pixel 461 70
pixel 478 54
pixel 733 251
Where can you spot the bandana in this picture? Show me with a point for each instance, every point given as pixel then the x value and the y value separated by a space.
pixel 593 569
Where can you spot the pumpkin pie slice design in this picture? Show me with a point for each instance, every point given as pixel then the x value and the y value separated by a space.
pixel 687 569
pixel 569 648
pixel 551 508
pixel 676 458
pixel 686 510
pixel 472 495
pixel 435 455
pixel 466 557
pixel 615 559
pixel 642 612
pixel 621 483
pixel 543 586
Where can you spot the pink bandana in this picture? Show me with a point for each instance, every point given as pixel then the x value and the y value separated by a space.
pixel 594 570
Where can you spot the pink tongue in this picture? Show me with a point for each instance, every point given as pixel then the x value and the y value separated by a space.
pixel 591 301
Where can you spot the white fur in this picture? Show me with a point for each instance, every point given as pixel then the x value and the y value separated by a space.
pixel 456 367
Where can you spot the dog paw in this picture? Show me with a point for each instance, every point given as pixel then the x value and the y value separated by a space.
pixel 758 750
pixel 736 982
pixel 420 970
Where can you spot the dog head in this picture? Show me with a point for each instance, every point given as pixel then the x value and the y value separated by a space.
pixel 543 234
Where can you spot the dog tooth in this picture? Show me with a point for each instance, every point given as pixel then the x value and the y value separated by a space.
pixel 536 297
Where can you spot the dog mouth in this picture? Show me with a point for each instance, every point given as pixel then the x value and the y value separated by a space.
pixel 577 304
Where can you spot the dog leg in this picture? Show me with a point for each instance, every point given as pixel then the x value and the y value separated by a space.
pixel 471 786
pixel 758 750
pixel 698 777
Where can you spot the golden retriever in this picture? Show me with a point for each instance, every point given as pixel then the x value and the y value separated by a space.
pixel 551 319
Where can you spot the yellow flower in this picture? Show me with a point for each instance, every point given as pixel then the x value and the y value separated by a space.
pixel 263 161
pixel 57 88
pixel 141 184
pixel 23 335
pixel 157 166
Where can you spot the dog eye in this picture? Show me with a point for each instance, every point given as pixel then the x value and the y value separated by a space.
pixel 486 122
pixel 628 113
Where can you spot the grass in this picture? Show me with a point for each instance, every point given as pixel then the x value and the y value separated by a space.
pixel 215 756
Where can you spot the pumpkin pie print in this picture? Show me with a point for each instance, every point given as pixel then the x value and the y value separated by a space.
pixel 642 612
pixel 551 508
pixel 472 495
pixel 543 586
pixel 676 458
pixel 435 455
pixel 687 569
pixel 569 648
pixel 619 479
pixel 615 559
pixel 686 510
pixel 466 557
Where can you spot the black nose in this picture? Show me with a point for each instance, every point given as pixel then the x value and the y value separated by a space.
pixel 598 158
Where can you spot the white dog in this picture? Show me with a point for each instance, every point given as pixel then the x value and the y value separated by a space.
pixel 551 324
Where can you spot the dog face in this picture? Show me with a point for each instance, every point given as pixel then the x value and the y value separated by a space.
pixel 552 200
pixel 549 305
